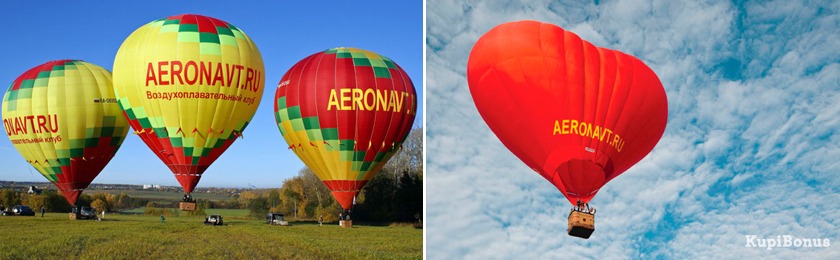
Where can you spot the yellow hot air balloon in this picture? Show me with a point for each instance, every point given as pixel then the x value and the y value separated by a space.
pixel 63 118
pixel 189 85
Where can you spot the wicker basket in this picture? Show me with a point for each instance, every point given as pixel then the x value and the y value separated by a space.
pixel 581 224
pixel 187 206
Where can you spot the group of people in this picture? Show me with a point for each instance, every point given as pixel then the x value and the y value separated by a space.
pixel 188 198
pixel 583 207
pixel 344 216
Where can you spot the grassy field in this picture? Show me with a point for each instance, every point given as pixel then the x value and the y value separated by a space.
pixel 137 236
pixel 227 213
pixel 235 213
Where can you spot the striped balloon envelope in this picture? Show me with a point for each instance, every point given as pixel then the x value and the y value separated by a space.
pixel 188 85
pixel 345 112
pixel 64 120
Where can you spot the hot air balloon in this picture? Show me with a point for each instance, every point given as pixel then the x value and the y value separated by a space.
pixel 64 120
pixel 188 85
pixel 577 114
pixel 345 112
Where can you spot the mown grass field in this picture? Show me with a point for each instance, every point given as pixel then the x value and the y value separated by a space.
pixel 137 236
pixel 227 213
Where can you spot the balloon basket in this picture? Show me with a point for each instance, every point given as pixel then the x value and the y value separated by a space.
pixel 186 206
pixel 73 216
pixel 345 223
pixel 581 224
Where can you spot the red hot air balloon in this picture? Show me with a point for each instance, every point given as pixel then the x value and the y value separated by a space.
pixel 578 114
pixel 345 112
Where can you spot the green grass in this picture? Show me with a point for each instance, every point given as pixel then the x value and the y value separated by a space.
pixel 137 236
pixel 227 213
pixel 133 211
pixel 234 213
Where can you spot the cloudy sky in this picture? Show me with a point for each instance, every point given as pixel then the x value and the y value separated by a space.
pixel 284 31
pixel 751 146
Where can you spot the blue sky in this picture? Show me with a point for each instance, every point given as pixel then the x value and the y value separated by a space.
pixel 284 31
pixel 751 146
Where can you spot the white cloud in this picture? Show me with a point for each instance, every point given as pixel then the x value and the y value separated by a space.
pixel 750 148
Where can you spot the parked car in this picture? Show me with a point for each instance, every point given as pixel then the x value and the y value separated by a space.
pixel 83 212
pixel 23 210
pixel 215 220
pixel 276 219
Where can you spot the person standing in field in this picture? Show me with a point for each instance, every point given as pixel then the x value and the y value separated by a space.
pixel 103 214
pixel 42 211
pixel 162 219
pixel 320 220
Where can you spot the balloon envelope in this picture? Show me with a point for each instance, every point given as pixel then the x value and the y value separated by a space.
pixel 188 85
pixel 345 112
pixel 63 118
pixel 577 114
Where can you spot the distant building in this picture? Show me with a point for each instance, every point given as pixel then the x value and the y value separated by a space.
pixel 34 190
pixel 150 186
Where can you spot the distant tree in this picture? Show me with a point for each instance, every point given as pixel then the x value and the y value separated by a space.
pixel 378 205
pixel 274 198
pixel 124 202
pixel 292 198
pixel 396 192
pixel 9 198
pixel 99 205
pixel 317 196
pixel 151 209
pixel 408 198
pixel 200 208
pixel 329 213
pixel 232 203
pixel 55 202
pixel 84 200
pixel 258 207
pixel 409 157
pixel 247 196
pixel 108 200
pixel 121 200
pixel 35 201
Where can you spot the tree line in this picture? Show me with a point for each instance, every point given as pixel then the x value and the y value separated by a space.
pixel 395 194
pixel 53 201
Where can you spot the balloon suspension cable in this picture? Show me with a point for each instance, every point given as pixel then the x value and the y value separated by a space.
pixel 30 169
pixel 583 207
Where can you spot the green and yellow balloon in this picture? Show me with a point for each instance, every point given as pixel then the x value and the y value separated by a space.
pixel 63 118
pixel 189 85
